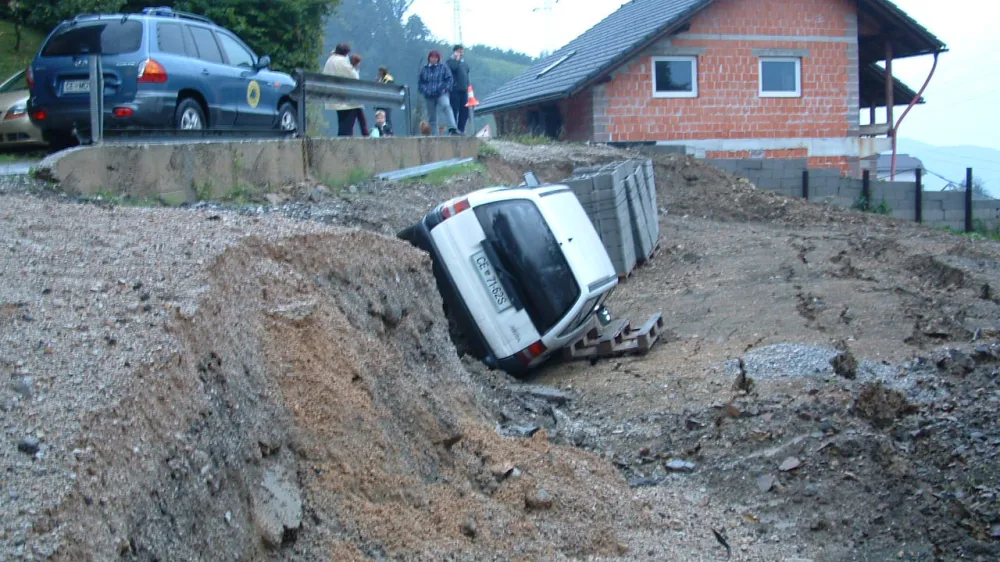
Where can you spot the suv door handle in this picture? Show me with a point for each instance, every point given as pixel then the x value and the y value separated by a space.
pixel 205 72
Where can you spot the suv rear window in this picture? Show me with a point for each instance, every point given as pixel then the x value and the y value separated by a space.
pixel 530 253
pixel 109 37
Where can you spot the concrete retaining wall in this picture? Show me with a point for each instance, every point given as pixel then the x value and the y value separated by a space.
pixel 198 170
pixel 940 208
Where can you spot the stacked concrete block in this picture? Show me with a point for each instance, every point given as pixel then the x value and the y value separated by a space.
pixel 620 199
pixel 606 203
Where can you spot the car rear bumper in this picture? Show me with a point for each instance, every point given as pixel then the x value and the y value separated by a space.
pixel 150 110
pixel 459 309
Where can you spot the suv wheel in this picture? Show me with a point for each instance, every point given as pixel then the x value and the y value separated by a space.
pixel 288 118
pixel 189 116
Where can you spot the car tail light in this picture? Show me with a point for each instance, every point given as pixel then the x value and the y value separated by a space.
pixel 40 115
pixel 152 72
pixel 30 77
pixel 451 210
pixel 532 352
pixel 121 112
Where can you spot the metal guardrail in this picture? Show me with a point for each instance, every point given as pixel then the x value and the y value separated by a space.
pixel 309 86
pixel 326 88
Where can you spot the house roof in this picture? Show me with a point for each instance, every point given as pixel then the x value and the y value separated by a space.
pixel 638 23
pixel 597 50
pixel 872 88
pixel 904 163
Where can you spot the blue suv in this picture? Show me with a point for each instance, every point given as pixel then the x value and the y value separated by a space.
pixel 162 69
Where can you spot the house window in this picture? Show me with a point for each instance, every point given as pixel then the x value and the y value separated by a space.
pixel 675 77
pixel 780 77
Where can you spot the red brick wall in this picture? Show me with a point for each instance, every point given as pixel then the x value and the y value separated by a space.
pixel 577 113
pixel 728 105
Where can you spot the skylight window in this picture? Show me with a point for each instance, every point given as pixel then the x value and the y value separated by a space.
pixel 561 60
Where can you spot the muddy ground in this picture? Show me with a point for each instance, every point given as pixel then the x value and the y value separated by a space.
pixel 281 386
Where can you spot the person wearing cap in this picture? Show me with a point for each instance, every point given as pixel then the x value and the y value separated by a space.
pixel 435 84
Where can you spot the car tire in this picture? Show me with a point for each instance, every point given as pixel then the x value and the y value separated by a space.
pixel 189 116
pixel 288 117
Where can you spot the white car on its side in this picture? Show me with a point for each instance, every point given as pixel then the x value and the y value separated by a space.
pixel 521 270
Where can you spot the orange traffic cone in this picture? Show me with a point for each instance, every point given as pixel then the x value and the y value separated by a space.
pixel 473 102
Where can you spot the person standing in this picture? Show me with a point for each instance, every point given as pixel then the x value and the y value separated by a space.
pixel 435 85
pixel 384 77
pixel 356 64
pixel 460 88
pixel 339 65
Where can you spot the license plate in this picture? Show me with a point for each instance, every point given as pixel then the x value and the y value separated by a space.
pixel 490 280
pixel 76 86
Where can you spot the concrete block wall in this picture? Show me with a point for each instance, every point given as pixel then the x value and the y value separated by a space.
pixel 826 185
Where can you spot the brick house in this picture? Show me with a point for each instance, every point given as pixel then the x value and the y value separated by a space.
pixel 725 79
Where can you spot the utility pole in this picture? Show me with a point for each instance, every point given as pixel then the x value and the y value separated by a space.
pixel 548 7
pixel 457 30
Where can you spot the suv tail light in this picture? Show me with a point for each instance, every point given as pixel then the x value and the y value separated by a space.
pixel 451 210
pixel 30 77
pixel 152 72
pixel 530 353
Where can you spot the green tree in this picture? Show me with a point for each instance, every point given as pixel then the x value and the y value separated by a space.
pixel 290 31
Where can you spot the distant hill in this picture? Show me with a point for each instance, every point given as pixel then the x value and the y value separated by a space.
pixel 376 30
pixel 14 61
pixel 951 162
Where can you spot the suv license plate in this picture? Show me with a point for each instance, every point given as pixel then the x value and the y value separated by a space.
pixel 490 280
pixel 76 86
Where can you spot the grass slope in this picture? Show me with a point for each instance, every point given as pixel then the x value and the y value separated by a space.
pixel 11 61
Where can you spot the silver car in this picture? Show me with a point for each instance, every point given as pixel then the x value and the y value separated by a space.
pixel 15 128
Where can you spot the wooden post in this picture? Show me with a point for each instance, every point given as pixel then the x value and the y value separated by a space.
pixel 888 86
pixel 919 196
pixel 805 184
pixel 968 199
pixel 866 188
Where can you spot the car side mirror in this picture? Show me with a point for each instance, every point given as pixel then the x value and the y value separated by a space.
pixel 263 62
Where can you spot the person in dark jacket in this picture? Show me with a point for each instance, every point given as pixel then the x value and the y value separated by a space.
pixel 435 85
pixel 460 88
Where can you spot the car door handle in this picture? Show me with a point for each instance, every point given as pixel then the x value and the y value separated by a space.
pixel 205 72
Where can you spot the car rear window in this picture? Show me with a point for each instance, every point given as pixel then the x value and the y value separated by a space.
pixel 530 253
pixel 108 37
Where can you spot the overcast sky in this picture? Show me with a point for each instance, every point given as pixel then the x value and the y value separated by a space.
pixel 961 108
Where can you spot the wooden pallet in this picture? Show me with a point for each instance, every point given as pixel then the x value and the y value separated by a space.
pixel 615 339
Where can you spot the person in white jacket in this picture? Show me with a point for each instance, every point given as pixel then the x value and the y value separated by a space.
pixel 339 65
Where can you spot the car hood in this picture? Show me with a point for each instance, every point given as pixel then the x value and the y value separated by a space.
pixel 10 98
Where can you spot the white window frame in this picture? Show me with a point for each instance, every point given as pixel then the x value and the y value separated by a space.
pixel 694 77
pixel 798 77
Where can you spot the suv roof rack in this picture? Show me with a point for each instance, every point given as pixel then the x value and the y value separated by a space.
pixel 168 12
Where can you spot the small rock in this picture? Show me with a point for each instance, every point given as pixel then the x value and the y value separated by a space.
pixel 995 532
pixel 539 498
pixel 643 482
pixel 954 361
pixel 469 528
pixel 28 445
pixel 546 393
pixel 23 386
pixel 844 363
pixel 766 482
pixel 678 465
pixel 524 431
pixel 274 198
pixel 789 464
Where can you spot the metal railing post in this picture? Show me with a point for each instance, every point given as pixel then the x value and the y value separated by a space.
pixel 968 200
pixel 96 99
pixel 919 196
pixel 300 80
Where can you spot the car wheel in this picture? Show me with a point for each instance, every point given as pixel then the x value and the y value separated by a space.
pixel 288 118
pixel 189 116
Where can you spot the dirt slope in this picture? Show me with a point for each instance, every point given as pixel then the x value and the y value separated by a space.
pixel 230 383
